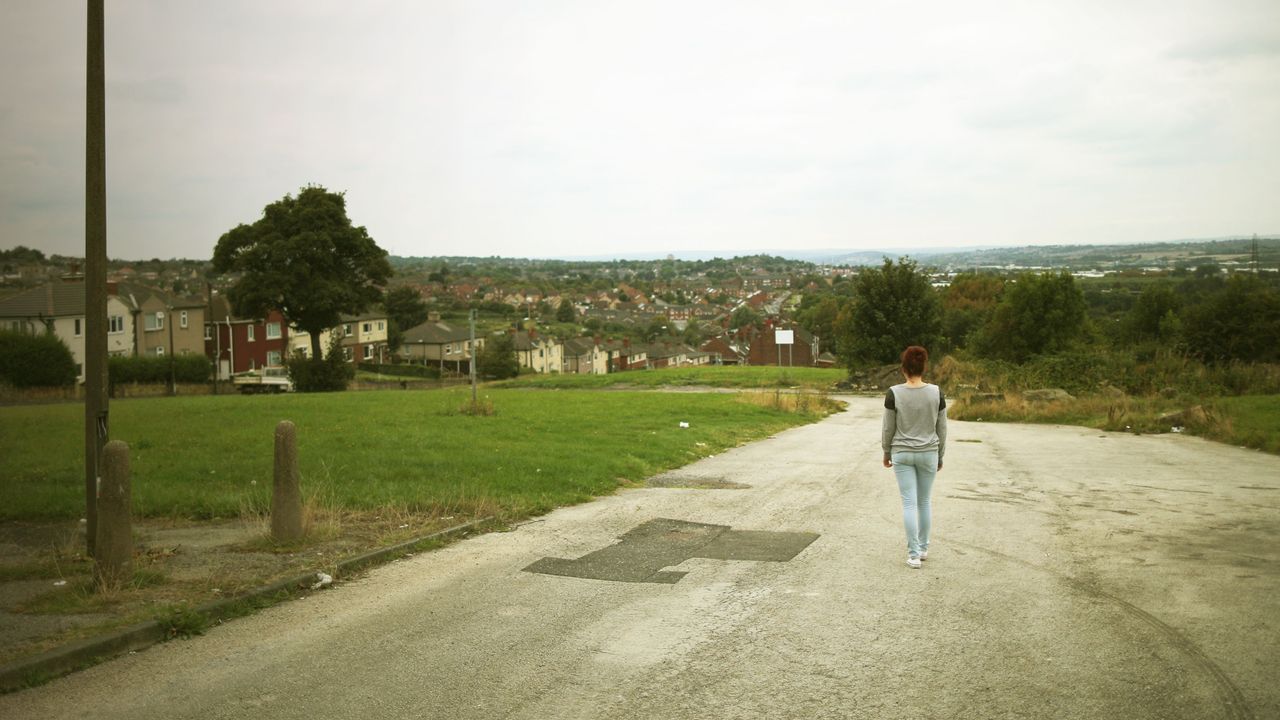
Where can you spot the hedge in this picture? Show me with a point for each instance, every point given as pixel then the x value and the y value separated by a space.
pixel 186 368
pixel 417 371
pixel 35 360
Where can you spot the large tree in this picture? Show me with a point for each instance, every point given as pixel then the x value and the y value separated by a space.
pixel 1037 315
pixel 405 309
pixel 304 258
pixel 893 306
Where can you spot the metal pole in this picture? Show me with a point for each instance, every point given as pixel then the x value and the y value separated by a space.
pixel 95 277
pixel 473 358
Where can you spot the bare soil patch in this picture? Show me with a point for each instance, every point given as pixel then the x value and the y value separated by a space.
pixel 47 595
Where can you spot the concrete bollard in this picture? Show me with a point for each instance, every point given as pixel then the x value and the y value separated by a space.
pixel 113 544
pixel 286 497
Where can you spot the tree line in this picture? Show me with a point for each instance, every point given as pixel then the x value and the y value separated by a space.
pixel 1206 315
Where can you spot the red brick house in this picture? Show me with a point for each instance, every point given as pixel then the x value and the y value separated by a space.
pixel 239 345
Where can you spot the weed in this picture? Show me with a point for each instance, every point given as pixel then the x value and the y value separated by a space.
pixel 181 621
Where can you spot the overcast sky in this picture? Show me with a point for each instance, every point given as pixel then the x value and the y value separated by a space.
pixel 561 128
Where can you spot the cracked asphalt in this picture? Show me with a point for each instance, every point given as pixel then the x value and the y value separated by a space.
pixel 1073 574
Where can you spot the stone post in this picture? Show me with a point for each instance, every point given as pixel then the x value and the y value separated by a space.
pixel 286 497
pixel 113 546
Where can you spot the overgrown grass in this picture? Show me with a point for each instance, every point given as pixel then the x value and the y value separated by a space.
pixel 205 457
pixel 724 376
pixel 1251 420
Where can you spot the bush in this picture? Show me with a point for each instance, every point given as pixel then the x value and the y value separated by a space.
pixel 35 360
pixel 186 368
pixel 328 374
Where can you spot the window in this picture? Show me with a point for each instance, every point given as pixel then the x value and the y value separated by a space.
pixel 182 319
pixel 448 349
pixel 346 329
pixel 115 324
pixel 208 331
pixel 382 325
pixel 77 323
pixel 346 354
pixel 249 332
pixel 159 351
pixel 155 321
pixel 273 331
pixel 273 357
pixel 366 327
pixel 368 352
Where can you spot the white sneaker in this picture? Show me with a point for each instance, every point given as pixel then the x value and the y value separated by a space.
pixel 913 562
pixel 924 555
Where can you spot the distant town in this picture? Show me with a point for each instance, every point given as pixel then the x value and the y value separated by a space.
pixel 561 316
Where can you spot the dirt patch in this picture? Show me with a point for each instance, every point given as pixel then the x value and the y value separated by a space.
pixel 47 595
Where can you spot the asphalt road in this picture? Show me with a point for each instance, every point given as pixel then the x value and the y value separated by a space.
pixel 1074 574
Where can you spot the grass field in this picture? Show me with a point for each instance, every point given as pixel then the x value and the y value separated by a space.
pixel 207 457
pixel 748 376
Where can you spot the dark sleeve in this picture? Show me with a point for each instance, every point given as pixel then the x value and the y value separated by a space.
pixel 889 402
pixel 942 401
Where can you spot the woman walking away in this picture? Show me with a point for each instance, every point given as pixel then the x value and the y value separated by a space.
pixel 914 438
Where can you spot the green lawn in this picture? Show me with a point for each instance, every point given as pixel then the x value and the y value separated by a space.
pixel 747 376
pixel 212 456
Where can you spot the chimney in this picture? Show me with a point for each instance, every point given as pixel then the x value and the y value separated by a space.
pixel 626 342
pixel 533 333
pixel 113 288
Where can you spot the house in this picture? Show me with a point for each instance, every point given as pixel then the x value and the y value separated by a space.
pixel 364 338
pixel 540 353
pixel 164 323
pixel 237 344
pixel 723 352
pixel 622 356
pixel 59 308
pixel 765 350
pixel 441 344
pixel 585 356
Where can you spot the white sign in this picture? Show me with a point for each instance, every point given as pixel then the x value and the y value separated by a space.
pixel 784 337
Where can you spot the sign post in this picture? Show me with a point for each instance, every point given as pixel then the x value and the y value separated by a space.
pixel 784 337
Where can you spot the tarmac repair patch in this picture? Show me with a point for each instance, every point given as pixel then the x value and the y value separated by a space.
pixel 644 551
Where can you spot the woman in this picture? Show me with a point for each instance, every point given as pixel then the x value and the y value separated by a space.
pixel 913 438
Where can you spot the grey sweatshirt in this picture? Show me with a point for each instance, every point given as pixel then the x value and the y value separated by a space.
pixel 915 419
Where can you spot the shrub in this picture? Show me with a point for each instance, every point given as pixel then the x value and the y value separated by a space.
pixel 328 374
pixel 35 360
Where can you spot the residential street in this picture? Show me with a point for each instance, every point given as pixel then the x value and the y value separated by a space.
pixel 1073 574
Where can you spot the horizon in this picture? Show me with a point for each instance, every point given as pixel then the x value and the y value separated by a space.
pixel 799 255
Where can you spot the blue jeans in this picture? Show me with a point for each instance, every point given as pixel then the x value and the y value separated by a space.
pixel 915 472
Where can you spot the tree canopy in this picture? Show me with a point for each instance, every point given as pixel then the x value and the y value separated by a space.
pixel 1037 315
pixel 304 258
pixel 405 309
pixel 894 306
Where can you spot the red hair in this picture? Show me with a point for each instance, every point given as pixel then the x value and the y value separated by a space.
pixel 913 360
